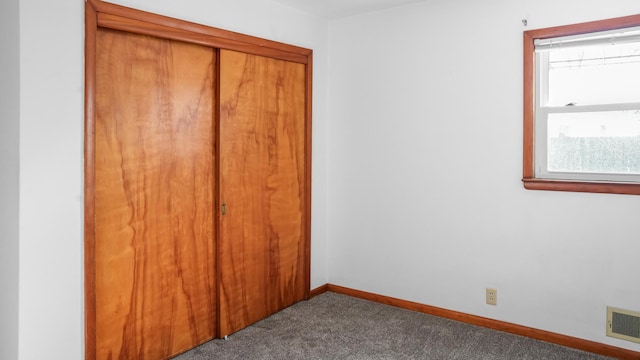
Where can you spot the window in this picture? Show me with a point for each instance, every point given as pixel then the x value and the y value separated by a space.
pixel 582 107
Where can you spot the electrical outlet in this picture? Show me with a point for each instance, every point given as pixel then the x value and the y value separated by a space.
pixel 492 296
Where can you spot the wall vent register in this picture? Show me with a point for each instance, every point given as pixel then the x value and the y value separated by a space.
pixel 623 324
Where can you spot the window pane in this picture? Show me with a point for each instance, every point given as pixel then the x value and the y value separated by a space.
pixel 588 75
pixel 594 142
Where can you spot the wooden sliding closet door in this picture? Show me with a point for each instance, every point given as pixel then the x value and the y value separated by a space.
pixel 262 183
pixel 154 196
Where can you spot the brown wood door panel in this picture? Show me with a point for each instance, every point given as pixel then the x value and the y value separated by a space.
pixel 155 289
pixel 262 181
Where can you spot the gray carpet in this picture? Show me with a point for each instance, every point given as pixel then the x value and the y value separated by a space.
pixel 333 326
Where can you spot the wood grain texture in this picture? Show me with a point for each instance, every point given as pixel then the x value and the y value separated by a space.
pixel 146 28
pixel 89 184
pixel 262 267
pixel 533 333
pixel 140 209
pixel 154 209
pixel 127 19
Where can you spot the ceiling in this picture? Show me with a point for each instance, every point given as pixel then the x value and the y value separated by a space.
pixel 339 8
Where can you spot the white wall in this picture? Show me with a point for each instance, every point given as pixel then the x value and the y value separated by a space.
pixel 9 177
pixel 425 162
pixel 51 115
pixel 51 154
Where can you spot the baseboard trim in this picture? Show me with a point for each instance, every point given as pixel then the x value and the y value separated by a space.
pixel 564 340
pixel 319 290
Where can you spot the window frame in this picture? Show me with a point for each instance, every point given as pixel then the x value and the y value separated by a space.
pixel 529 178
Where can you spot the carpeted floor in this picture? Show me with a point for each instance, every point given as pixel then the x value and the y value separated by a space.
pixel 333 326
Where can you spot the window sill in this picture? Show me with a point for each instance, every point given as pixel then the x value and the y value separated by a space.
pixel 581 186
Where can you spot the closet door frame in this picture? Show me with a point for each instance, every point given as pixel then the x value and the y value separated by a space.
pixel 104 15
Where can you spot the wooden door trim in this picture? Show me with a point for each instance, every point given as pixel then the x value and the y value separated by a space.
pixel 91 27
pixel 136 21
pixel 308 171
pixel 99 14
